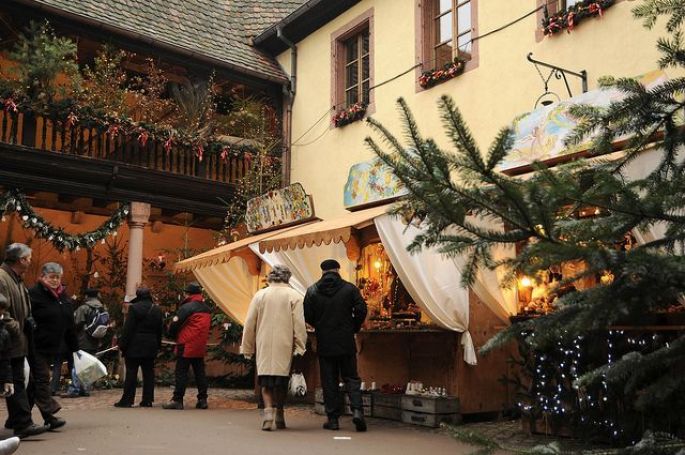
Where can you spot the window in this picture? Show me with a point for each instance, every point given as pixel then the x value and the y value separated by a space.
pixel 357 68
pixel 450 31
pixel 352 70
pixel 563 4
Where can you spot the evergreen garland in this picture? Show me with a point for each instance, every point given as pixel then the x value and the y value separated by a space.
pixel 15 201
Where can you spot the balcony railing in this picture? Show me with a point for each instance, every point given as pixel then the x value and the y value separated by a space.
pixel 57 137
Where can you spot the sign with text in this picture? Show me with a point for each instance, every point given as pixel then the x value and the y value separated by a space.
pixel 279 208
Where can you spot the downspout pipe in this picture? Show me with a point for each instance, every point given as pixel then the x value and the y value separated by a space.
pixel 292 89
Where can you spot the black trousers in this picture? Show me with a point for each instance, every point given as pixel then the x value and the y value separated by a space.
pixel 147 365
pixel 18 408
pixel 39 392
pixel 182 366
pixel 333 369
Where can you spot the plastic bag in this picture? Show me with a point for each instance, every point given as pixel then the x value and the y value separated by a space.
pixel 297 385
pixel 27 373
pixel 88 368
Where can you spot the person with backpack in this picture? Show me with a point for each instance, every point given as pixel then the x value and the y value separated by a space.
pixel 92 324
pixel 190 328
pixel 54 318
pixel 140 341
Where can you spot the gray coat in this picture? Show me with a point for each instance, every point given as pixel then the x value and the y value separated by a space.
pixel 84 316
pixel 13 288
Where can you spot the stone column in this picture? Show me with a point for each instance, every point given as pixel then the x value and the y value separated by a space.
pixel 138 218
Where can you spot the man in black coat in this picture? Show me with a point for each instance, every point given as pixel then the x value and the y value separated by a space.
pixel 54 317
pixel 140 341
pixel 336 310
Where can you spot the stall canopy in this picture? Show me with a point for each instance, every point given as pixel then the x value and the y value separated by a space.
pixel 335 230
pixel 229 274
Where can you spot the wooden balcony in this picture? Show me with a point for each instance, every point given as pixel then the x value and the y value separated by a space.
pixel 51 136
pixel 42 154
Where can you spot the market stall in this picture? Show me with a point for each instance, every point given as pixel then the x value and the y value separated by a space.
pixel 420 319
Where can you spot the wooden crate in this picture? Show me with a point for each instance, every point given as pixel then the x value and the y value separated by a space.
pixel 367 400
pixel 367 397
pixel 388 400
pixel 430 405
pixel 386 412
pixel 429 420
pixel 366 410
pixel 320 409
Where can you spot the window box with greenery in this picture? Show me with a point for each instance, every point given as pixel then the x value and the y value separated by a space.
pixel 566 14
pixel 349 114
pixel 434 77
pixel 447 46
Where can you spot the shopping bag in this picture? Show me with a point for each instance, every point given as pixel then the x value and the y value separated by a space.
pixel 88 368
pixel 297 385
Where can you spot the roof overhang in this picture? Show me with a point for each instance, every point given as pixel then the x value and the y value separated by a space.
pixel 301 23
pixel 140 37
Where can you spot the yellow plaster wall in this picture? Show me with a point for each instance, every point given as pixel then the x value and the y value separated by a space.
pixel 503 86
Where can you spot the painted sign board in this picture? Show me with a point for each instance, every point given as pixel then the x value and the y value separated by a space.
pixel 279 208
pixel 370 182
pixel 540 135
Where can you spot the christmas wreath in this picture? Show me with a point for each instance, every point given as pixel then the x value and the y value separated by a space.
pixel 571 16
pixel 436 76
pixel 349 114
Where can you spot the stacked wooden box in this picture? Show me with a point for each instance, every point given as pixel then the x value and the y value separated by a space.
pixel 430 411
pixel 387 406
pixel 367 402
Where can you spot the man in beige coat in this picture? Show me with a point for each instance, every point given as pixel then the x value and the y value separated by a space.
pixel 275 331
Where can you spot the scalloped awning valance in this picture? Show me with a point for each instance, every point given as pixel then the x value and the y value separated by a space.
pixel 335 230
pixel 224 253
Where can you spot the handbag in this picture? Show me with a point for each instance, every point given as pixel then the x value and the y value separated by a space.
pixel 297 386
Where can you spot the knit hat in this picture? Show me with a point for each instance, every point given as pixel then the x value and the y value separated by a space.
pixel 143 293
pixel 193 288
pixel 92 292
pixel 330 264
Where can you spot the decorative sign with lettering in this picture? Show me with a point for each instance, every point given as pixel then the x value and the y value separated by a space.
pixel 279 208
pixel 540 135
pixel 369 182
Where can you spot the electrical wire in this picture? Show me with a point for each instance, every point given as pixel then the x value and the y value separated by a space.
pixel 380 84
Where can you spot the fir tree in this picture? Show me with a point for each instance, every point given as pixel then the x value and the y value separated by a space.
pixel 468 209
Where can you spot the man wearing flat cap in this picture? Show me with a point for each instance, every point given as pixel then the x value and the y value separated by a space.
pixel 190 328
pixel 336 310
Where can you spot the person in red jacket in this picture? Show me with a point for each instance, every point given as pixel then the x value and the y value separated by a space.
pixel 190 328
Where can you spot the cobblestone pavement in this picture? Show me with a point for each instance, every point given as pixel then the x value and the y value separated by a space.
pixel 230 425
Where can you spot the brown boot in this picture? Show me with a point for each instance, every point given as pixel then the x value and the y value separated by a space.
pixel 280 418
pixel 267 419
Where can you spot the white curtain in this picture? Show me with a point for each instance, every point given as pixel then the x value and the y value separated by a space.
pixel 304 263
pixel 230 285
pixel 488 283
pixel 432 280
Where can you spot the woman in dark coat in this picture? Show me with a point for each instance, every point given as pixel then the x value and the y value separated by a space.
pixel 53 314
pixel 140 341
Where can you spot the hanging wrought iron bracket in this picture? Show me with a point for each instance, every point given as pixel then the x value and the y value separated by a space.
pixel 559 73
